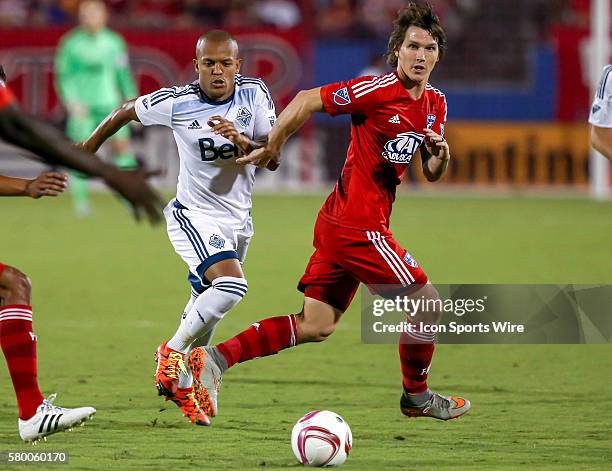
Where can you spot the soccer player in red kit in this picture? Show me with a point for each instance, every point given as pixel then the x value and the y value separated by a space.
pixel 39 417
pixel 394 117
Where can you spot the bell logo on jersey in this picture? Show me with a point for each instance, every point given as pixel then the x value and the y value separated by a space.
pixel 341 97
pixel 401 149
pixel 244 116
pixel 209 152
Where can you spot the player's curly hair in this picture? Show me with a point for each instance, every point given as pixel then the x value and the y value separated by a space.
pixel 421 16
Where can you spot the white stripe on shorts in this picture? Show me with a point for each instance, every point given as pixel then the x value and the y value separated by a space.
pixel 394 254
pixel 398 268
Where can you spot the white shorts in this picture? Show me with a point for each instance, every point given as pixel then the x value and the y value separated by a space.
pixel 201 241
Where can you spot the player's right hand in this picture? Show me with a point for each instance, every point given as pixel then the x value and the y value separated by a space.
pixel 263 157
pixel 47 184
pixel 132 185
pixel 227 129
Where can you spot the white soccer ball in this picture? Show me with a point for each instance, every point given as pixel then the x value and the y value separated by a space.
pixel 321 438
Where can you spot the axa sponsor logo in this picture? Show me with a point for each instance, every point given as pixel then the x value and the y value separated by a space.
pixel 401 149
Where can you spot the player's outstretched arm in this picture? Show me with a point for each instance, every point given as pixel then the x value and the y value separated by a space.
pixel 435 155
pixel 46 184
pixel 289 121
pixel 227 129
pixel 601 140
pixel 48 143
pixel 110 125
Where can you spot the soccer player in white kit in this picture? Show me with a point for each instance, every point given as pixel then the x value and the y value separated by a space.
pixel 601 114
pixel 214 120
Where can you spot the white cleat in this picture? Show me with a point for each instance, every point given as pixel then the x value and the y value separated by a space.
pixel 50 419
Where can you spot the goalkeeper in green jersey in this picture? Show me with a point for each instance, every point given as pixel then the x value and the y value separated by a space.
pixel 93 77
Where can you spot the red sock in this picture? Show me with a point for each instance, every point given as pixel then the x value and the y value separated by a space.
pixel 263 338
pixel 415 356
pixel 19 346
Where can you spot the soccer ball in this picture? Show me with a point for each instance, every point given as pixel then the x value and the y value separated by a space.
pixel 321 438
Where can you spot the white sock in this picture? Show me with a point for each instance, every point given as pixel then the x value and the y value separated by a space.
pixel 185 380
pixel 207 310
pixel 204 340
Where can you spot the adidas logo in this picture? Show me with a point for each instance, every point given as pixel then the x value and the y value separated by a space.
pixel 194 125
pixel 394 119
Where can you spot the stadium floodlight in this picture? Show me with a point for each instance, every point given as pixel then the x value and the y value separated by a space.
pixel 600 39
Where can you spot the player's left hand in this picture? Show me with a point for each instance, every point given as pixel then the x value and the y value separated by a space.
pixel 436 144
pixel 264 157
pixel 227 129
pixel 47 184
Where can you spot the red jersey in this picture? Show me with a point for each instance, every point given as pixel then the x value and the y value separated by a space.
pixel 6 96
pixel 386 131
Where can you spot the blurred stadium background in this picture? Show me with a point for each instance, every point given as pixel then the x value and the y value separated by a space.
pixel 518 77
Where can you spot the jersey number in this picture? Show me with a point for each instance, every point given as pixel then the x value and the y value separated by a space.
pixel 209 152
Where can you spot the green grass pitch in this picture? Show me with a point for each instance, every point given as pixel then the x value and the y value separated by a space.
pixel 107 291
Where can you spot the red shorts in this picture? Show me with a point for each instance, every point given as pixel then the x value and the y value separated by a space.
pixel 345 257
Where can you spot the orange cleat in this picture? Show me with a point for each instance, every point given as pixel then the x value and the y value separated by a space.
pixel 195 363
pixel 185 399
pixel 170 364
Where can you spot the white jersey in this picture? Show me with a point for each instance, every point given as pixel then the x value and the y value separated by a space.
pixel 209 179
pixel 601 111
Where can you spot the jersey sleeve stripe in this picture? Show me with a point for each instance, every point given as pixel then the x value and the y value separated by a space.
pixel 381 84
pixel 367 83
pixel 173 94
pixel 435 90
pixel 240 80
pixel 604 79
pixel 160 92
